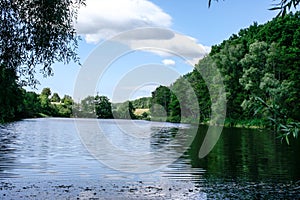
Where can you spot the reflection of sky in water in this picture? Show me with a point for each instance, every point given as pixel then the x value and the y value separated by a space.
pixel 51 149
pixel 130 144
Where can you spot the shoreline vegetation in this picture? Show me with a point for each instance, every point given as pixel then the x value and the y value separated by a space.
pixel 260 70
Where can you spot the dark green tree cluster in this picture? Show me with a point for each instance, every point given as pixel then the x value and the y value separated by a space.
pixel 103 107
pixel 260 67
pixel 182 101
pixel 32 34
pixel 160 103
pixel 94 107
pixel 10 95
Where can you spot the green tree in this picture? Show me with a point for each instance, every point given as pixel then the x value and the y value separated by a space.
pixel 46 92
pixel 228 62
pixel 180 104
pixel 31 103
pixel 67 100
pixel 87 107
pixel 55 98
pixel 33 34
pixel 131 110
pixel 124 110
pixel 10 95
pixel 160 102
pixel 254 68
pixel 260 69
pixel 45 105
pixel 175 111
pixel 64 109
pixel 103 107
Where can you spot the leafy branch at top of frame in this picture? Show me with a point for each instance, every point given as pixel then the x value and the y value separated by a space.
pixel 283 6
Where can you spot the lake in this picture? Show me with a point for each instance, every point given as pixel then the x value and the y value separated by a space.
pixel 91 158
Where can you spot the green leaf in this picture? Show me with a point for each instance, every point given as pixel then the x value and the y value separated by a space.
pixel 258 110
pixel 287 140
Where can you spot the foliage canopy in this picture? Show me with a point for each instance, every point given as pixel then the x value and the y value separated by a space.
pixel 260 68
pixel 33 35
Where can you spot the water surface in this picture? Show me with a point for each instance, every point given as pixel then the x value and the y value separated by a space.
pixel 50 153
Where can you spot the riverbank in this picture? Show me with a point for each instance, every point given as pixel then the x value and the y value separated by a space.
pixel 251 124
pixel 97 189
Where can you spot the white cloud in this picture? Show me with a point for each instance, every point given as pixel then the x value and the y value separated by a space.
pixel 165 43
pixel 168 62
pixel 102 19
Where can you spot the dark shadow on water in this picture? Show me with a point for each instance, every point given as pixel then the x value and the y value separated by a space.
pixel 7 152
pixel 162 136
pixel 250 155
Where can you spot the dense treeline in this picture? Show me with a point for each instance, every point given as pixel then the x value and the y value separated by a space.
pixel 144 102
pixel 260 68
pixel 29 104
pixel 32 104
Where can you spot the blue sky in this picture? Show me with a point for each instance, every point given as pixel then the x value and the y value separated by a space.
pixel 102 20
